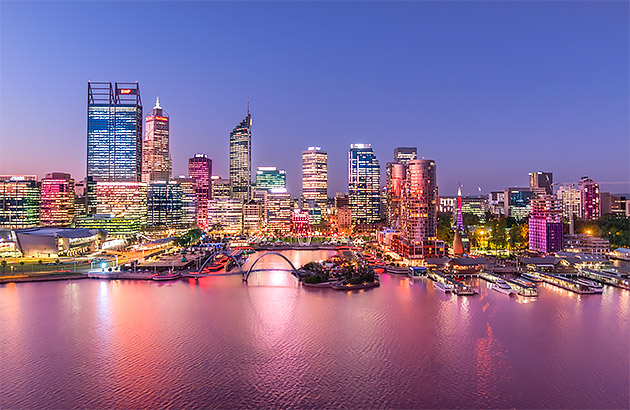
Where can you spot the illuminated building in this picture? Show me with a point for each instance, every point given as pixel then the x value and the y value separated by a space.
pixel 300 223
pixel 612 204
pixel 241 158
pixel 315 176
pixel 541 182
pixel 545 224
pixel 516 202
pixel 114 136
pixel 278 211
pixel 200 170
pixel 459 219
pixel 252 217
pixel 589 198
pixel 585 243
pixel 84 198
pixel 342 210
pixel 477 206
pixel 156 157
pixel 165 204
pixel 54 242
pixel 115 226
pixel 19 201
pixel 418 236
pixel 447 204
pixel 270 177
pixel 395 176
pixel 225 215
pixel 221 187
pixel 57 200
pixel 496 202
pixel 570 199
pixel 189 201
pixel 364 180
pixel 122 199
pixel 402 155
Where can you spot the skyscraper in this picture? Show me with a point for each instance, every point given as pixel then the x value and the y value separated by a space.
pixel 315 176
pixel 165 205
pixel 545 224
pixel 200 170
pixel 364 180
pixel 241 158
pixel 57 199
pixel 419 202
pixel 19 201
pixel 156 157
pixel 270 177
pixel 541 182
pixel 114 132
pixel 589 198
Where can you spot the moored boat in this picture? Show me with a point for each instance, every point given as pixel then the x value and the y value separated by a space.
pixel 502 286
pixel 530 277
pixel 166 276
pixel 348 286
pixel 441 287
pixel 598 288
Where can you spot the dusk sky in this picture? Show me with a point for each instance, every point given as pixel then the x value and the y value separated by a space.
pixel 490 90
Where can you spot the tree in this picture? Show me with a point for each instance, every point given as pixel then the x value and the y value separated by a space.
pixel 4 264
pixel 515 237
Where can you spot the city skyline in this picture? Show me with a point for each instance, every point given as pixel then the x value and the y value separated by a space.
pixel 581 91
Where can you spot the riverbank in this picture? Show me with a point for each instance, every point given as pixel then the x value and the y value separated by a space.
pixel 41 278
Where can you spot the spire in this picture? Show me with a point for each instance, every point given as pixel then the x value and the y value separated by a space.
pixel 248 106
pixel 157 103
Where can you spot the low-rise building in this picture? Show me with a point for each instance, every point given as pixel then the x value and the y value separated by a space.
pixel 586 244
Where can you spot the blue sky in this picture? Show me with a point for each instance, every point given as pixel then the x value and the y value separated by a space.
pixel 490 90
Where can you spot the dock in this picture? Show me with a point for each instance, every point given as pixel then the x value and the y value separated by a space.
pixel 564 283
pixel 458 287
pixel 606 278
pixel 521 287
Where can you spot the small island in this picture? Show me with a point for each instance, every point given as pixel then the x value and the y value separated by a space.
pixel 340 273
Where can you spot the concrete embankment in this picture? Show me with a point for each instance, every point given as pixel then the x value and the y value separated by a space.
pixel 42 278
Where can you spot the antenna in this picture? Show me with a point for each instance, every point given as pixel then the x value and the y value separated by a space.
pixel 247 105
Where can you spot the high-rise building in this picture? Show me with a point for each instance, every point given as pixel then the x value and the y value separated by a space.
pixel 252 217
pixel 516 202
pixel 569 198
pixel 200 170
pixel 545 224
pixel 189 201
pixel 165 205
pixel 122 199
pixel 225 215
pixel 270 177
pixel 114 132
pixel 315 176
pixel 364 180
pixel 278 211
pixel 395 175
pixel 589 198
pixel 156 157
pixel 241 158
pixel 57 200
pixel 19 201
pixel 402 155
pixel 221 187
pixel 541 182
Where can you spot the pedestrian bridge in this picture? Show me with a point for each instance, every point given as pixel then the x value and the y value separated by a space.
pixel 244 274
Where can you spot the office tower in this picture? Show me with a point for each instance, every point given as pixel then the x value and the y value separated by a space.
pixel 342 210
pixel 165 205
pixel 200 170
pixel 252 217
pixel 221 187
pixel 402 155
pixel 57 200
pixel 569 198
pixel 541 182
pixel 419 202
pixel 19 201
pixel 241 158
pixel 315 176
pixel 395 176
pixel 612 204
pixel 189 200
pixel 156 157
pixel 278 211
pixel 114 132
pixel 270 177
pixel 122 199
pixel 589 198
pixel 545 224
pixel 516 202
pixel 300 223
pixel 364 180
pixel 225 215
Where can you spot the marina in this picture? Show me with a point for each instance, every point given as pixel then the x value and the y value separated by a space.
pixel 458 287
pixel 607 278
pixel 521 287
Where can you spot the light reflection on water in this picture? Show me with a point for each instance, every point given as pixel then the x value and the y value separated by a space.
pixel 218 342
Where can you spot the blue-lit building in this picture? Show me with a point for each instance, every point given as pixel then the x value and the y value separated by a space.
pixel 241 159
pixel 165 204
pixel 364 180
pixel 114 133
pixel 270 177
pixel 517 202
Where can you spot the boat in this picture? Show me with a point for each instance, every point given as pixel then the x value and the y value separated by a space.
pixel 598 288
pixel 502 287
pixel 417 272
pixel 441 287
pixel 104 273
pixel 531 277
pixel 465 291
pixel 170 275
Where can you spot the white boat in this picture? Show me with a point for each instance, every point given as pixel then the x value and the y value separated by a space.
pixel 441 287
pixel 104 273
pixel 502 287
pixel 598 288
pixel 531 277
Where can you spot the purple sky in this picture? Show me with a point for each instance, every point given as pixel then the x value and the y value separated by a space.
pixel 490 90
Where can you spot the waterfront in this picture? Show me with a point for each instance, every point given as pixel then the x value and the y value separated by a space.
pixel 218 342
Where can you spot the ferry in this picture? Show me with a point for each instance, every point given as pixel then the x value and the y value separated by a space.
pixel 531 277
pixel 502 287
pixel 417 272
pixel 441 287
pixel 598 288
pixel 170 275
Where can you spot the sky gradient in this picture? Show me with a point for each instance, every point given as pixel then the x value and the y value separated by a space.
pixel 489 90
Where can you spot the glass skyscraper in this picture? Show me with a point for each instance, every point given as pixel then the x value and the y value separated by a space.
pixel 156 157
pixel 270 177
pixel 241 158
pixel 364 180
pixel 315 176
pixel 114 134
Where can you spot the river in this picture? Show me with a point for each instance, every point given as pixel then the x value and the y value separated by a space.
pixel 271 343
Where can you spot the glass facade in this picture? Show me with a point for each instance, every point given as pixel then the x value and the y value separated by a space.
pixel 57 205
pixel 241 159
pixel 156 157
pixel 165 207
pixel 315 176
pixel 419 202
pixel 364 180
pixel 122 199
pixel 114 135
pixel 200 170
pixel 270 177
pixel 19 203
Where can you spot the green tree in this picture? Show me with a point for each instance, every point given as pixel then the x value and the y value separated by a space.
pixel 444 227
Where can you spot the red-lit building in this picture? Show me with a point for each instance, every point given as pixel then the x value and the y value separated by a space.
pixel 300 223
pixel 200 170
pixel 57 200
pixel 589 198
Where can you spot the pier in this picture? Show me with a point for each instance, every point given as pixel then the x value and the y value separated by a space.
pixel 522 288
pixel 459 288
pixel 606 278
pixel 564 283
